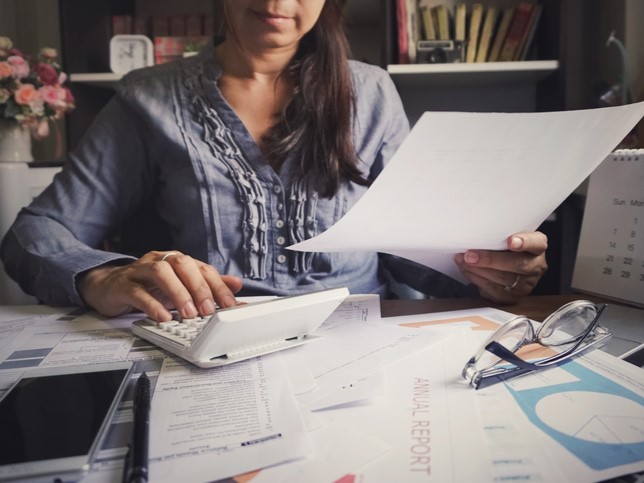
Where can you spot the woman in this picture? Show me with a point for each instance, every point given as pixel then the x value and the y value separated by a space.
pixel 260 142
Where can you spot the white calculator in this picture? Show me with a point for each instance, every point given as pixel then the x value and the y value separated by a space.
pixel 238 333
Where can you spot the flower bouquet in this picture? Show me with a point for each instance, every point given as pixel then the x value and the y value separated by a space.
pixel 32 91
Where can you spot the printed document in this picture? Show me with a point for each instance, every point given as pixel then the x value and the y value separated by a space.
pixel 268 426
pixel 219 423
pixel 579 422
pixel 464 181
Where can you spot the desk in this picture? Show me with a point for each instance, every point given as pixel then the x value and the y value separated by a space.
pixel 387 419
pixel 537 307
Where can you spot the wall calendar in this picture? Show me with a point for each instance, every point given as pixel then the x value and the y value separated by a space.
pixel 610 255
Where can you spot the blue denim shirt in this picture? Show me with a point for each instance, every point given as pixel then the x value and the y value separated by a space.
pixel 168 133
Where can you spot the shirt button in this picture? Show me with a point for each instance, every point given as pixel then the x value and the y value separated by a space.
pixel 281 240
pixel 279 223
pixel 281 258
pixel 280 206
pixel 277 189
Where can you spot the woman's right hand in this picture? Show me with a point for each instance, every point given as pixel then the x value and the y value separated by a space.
pixel 156 282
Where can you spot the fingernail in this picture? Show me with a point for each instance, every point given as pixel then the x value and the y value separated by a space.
pixel 516 242
pixel 229 301
pixel 471 257
pixel 458 258
pixel 207 307
pixel 163 316
pixel 190 310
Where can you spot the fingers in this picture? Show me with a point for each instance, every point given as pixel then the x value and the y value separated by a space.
pixel 193 286
pixel 492 286
pixel 504 276
pixel 531 242
pixel 156 282
pixel 111 291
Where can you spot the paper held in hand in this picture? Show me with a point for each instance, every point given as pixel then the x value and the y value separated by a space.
pixel 464 181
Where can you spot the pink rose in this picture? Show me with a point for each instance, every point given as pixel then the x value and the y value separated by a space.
pixel 26 94
pixel 5 70
pixel 54 96
pixel 46 74
pixel 20 66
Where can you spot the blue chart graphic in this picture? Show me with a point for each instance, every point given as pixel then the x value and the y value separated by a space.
pixel 600 422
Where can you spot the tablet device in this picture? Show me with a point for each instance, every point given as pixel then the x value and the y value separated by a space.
pixel 53 419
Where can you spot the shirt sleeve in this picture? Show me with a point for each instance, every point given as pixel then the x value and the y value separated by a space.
pixel 61 233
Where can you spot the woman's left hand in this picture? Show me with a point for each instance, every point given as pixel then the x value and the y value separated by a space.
pixel 505 276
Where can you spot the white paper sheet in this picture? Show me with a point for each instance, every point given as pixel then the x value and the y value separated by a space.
pixel 347 361
pixel 215 423
pixel 469 180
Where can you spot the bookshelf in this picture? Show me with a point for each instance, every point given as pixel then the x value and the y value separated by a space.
pixel 98 79
pixel 86 30
pixel 471 74
pixel 533 84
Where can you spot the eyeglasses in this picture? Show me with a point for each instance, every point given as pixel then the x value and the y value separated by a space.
pixel 571 330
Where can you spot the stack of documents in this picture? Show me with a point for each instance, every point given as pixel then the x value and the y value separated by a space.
pixel 375 400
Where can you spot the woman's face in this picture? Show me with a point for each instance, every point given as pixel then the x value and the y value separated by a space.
pixel 268 24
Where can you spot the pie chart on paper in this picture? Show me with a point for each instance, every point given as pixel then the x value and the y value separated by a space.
pixel 593 416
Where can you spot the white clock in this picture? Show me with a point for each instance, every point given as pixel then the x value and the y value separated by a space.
pixel 128 52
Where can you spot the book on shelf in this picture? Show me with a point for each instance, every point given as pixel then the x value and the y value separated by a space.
pixel 476 18
pixel 442 22
pixel 460 22
pixel 526 41
pixel 121 24
pixel 487 31
pixel 413 28
pixel 516 31
pixel 401 32
pixel 501 31
pixel 429 30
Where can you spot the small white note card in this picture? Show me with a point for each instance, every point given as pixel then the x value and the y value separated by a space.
pixel 463 181
pixel 610 257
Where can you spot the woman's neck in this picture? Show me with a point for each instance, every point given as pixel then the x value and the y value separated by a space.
pixel 253 85
pixel 244 64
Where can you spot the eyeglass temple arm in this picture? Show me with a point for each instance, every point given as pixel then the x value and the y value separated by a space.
pixel 505 354
pixel 522 367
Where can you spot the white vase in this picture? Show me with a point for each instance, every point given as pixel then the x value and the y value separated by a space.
pixel 15 142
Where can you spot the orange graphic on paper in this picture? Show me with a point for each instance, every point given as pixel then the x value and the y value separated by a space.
pixel 246 477
pixel 481 323
pixel 535 351
pixel 532 351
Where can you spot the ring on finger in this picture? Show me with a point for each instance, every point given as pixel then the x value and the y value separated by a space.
pixel 509 287
pixel 168 255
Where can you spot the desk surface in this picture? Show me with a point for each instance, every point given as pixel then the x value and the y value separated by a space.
pixel 537 307
pixel 625 322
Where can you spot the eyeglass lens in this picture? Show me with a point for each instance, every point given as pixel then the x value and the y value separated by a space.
pixel 511 336
pixel 567 324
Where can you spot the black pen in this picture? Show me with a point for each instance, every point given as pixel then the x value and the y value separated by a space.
pixel 136 460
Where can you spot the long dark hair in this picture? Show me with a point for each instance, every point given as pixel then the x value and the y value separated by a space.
pixel 317 121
